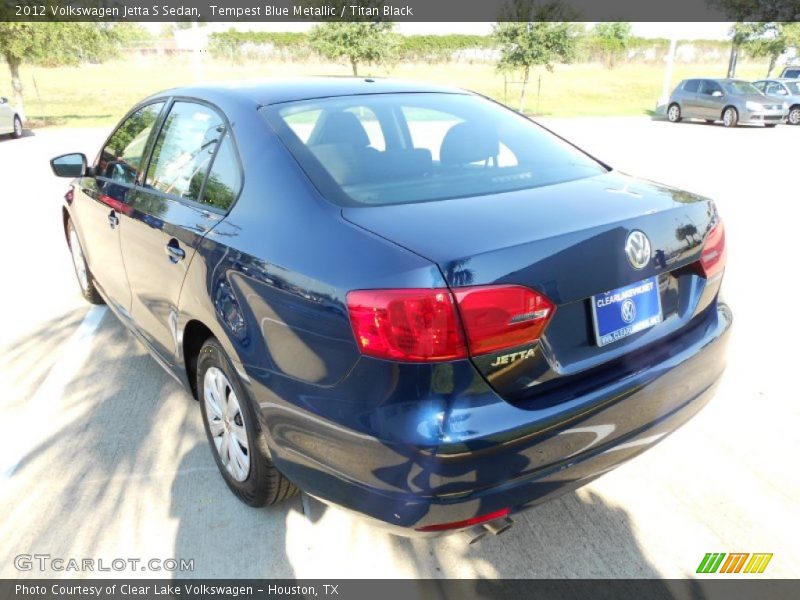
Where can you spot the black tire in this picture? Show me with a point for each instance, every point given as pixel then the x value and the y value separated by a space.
pixel 674 113
pixel 86 282
pixel 730 117
pixel 794 116
pixel 17 133
pixel 264 484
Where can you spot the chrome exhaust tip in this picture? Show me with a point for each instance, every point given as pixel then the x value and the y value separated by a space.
pixel 475 534
pixel 499 526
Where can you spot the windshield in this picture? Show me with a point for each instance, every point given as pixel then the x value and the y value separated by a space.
pixel 401 148
pixel 794 87
pixel 741 87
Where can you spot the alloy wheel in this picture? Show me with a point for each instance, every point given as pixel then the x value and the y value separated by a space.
pixel 226 424
pixel 794 116
pixel 674 113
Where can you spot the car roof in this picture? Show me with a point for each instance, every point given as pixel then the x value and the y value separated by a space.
pixel 276 91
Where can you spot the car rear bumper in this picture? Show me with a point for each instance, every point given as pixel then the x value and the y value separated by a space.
pixel 472 453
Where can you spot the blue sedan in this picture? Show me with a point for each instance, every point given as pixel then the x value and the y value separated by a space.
pixel 402 299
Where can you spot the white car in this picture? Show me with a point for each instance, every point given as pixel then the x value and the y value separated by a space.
pixel 10 121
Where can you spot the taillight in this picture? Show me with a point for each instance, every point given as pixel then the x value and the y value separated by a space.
pixel 497 317
pixel 415 325
pixel 427 325
pixel 498 514
pixel 712 259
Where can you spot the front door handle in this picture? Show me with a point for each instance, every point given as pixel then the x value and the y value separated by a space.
pixel 174 251
pixel 113 219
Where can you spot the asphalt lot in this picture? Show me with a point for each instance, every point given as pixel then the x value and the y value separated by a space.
pixel 110 461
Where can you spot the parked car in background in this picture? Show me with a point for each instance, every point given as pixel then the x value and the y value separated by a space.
pixel 786 90
pixel 731 101
pixel 401 298
pixel 791 72
pixel 10 120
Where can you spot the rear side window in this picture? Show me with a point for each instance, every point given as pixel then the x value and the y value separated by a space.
pixel 121 158
pixel 224 180
pixel 417 147
pixel 692 85
pixel 184 149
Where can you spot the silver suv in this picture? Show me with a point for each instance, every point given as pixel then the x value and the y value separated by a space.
pixel 731 101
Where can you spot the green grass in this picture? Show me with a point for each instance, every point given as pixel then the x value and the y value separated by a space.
pixel 97 95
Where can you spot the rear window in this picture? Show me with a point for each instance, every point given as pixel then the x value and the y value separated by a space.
pixel 403 148
pixel 792 73
pixel 692 85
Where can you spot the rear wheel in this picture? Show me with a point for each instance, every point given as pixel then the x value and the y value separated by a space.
pixel 17 133
pixel 730 117
pixel 794 116
pixel 82 272
pixel 234 432
pixel 674 113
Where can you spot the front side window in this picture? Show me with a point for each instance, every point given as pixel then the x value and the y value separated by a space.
pixel 121 158
pixel 793 87
pixel 709 87
pixel 184 149
pixel 776 89
pixel 418 147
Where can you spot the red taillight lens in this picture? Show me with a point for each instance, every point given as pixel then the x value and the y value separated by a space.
pixel 498 514
pixel 422 325
pixel 407 325
pixel 497 317
pixel 712 259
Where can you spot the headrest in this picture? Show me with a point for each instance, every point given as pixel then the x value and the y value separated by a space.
pixel 342 128
pixel 469 142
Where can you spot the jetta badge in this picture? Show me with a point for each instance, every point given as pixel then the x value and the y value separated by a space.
pixel 637 247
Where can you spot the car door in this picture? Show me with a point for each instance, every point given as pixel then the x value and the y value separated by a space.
pixel 101 200
pixel 710 100
pixel 171 213
pixel 6 116
pixel 688 101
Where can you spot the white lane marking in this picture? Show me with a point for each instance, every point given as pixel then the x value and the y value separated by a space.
pixel 21 440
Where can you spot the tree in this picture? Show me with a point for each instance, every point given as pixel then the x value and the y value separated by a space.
pixel 613 39
pixel 53 44
pixel 525 44
pixel 360 42
pixel 768 40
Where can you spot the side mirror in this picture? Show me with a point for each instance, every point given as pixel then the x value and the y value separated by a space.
pixel 716 94
pixel 69 165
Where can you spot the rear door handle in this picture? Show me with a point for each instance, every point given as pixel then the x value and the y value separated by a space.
pixel 174 251
pixel 113 219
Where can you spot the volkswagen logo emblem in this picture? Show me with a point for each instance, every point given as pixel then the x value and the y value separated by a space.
pixel 628 311
pixel 637 248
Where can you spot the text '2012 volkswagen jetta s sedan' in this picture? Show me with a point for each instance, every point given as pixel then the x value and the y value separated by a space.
pixel 404 300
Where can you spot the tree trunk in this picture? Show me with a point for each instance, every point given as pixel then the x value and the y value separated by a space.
pixel 354 64
pixel 526 75
pixel 16 85
pixel 773 58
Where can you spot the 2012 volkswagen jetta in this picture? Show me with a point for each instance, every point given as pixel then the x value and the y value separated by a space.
pixel 402 299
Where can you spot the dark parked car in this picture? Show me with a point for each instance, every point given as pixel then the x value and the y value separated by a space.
pixel 403 299
pixel 728 100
